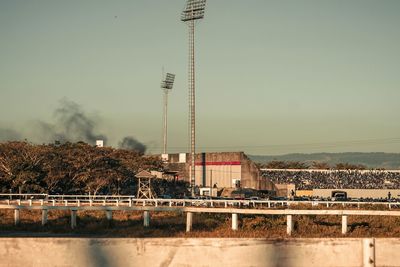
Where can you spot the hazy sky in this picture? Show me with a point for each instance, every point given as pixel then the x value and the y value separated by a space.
pixel 273 77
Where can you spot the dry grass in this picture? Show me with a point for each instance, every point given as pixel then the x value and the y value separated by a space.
pixel 163 224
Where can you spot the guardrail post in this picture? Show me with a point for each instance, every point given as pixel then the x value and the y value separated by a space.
pixel 109 216
pixel 104 202
pixel 369 252
pixel 146 218
pixel 226 204
pixel 269 204
pixel 54 202
pixel 289 222
pixel 170 203
pixel 8 202
pixel 189 221
pixel 16 217
pixel 30 202
pixel 19 202
pixel 73 219
pixel 130 202
pixel 41 202
pixel 78 202
pixel 117 203
pixel 66 202
pixel 234 221
pixel 344 224
pixel 90 202
pixel 44 217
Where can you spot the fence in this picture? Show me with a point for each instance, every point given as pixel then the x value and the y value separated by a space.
pixel 289 213
pixel 117 200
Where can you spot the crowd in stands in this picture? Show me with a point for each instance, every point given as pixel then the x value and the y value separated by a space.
pixel 340 179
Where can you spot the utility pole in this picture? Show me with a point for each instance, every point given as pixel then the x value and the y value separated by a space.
pixel 211 185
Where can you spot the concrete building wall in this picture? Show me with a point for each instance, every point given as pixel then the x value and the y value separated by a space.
pixel 285 190
pixel 222 175
pixel 304 193
pixel 250 174
pixel 90 252
pixel 359 193
pixel 223 168
pixel 182 170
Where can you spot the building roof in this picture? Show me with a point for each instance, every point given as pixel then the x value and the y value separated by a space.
pixel 144 174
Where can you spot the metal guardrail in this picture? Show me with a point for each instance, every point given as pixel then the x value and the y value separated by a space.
pixel 188 206
pixel 127 200
pixel 289 213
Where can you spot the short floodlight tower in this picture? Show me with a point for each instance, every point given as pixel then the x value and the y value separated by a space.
pixel 166 85
pixel 194 10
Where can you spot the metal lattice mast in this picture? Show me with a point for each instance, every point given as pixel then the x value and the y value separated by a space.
pixel 190 83
pixel 192 102
pixel 165 123
pixel 194 11
pixel 166 85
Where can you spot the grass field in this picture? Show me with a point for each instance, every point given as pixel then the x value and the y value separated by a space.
pixel 164 224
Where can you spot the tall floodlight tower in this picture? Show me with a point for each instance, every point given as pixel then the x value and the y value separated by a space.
pixel 193 11
pixel 166 85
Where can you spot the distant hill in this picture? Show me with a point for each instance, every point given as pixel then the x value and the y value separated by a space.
pixel 371 160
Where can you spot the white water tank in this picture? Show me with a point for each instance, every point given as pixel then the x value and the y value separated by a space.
pixel 164 157
pixel 182 157
pixel 99 143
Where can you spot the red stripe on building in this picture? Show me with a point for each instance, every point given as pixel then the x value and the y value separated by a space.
pixel 218 163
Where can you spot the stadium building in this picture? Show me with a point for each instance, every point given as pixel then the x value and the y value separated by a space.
pixel 218 169
pixel 329 183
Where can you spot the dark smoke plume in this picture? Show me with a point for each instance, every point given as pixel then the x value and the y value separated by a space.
pixel 9 135
pixel 71 124
pixel 131 143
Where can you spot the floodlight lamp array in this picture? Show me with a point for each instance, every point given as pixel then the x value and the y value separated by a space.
pixel 168 82
pixel 194 10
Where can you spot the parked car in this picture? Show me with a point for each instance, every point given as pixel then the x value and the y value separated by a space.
pixel 339 197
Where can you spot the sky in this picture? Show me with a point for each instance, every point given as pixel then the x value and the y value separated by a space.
pixel 272 77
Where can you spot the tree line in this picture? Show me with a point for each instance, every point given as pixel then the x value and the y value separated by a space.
pixel 277 164
pixel 71 168
pixel 79 168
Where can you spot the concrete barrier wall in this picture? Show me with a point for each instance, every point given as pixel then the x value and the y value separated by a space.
pixel 88 252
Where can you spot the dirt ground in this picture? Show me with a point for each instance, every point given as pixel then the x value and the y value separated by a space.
pixel 163 224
